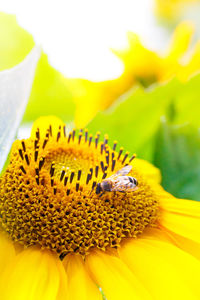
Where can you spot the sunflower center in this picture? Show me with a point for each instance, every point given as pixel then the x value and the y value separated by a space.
pixel 48 195
pixel 64 161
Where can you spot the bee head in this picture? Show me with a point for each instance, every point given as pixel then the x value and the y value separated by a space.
pixel 106 185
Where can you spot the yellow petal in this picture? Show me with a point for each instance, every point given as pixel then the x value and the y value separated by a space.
pixel 89 98
pixel 165 270
pixel 156 234
pixel 180 206
pixel 33 275
pixel 181 242
pixel 63 285
pixel 185 226
pixel 185 244
pixel 181 40
pixel 141 64
pixel 114 277
pixel 7 252
pixel 171 64
pixel 148 170
pixel 181 217
pixel 193 65
pixel 80 285
pixel 43 124
pixel 167 9
pixel 92 97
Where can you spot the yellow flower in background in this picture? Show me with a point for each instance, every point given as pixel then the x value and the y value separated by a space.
pixel 78 100
pixel 171 9
pixel 178 62
pixel 141 65
pixel 148 67
pixel 70 242
pixel 92 97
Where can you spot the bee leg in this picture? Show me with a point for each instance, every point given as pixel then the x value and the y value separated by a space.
pixel 91 191
pixel 98 189
pixel 93 186
pixel 101 194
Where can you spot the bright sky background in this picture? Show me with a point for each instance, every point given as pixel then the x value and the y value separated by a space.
pixel 77 34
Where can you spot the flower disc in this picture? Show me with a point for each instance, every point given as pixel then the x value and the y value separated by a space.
pixel 48 194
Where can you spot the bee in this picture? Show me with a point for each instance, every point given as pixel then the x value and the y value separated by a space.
pixel 119 182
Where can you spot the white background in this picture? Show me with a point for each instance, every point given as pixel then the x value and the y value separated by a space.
pixel 77 34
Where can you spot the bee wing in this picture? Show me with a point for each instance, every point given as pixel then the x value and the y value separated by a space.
pixel 133 189
pixel 123 188
pixel 124 171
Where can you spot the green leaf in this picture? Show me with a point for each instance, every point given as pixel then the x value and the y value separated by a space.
pixel 177 155
pixel 135 119
pixel 50 94
pixel 187 102
pixel 15 42
pixel 135 122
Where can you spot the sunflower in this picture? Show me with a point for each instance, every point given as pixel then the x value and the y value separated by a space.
pixel 147 66
pixel 171 10
pixel 61 239
pixel 141 66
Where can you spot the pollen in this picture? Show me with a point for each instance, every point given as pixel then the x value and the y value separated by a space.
pixel 48 194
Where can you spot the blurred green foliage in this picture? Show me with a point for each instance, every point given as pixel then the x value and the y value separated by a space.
pixel 49 94
pixel 135 118
pixel 187 102
pixel 177 155
pixel 137 122
pixel 12 37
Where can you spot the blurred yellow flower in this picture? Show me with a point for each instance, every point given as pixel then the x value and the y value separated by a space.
pixel 147 66
pixel 61 240
pixel 179 61
pixel 91 97
pixel 171 9
pixel 52 93
pixel 141 65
